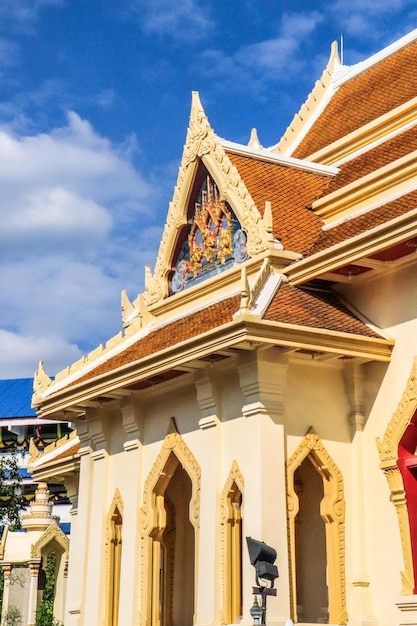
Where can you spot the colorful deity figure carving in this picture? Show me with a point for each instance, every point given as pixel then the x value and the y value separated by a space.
pixel 213 241
pixel 240 246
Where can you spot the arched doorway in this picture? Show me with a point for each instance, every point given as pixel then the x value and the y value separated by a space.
pixel 168 544
pixel 310 546
pixel 316 512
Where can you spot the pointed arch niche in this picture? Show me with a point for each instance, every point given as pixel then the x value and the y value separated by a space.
pixel 113 558
pixel 54 543
pixel 169 533
pixel 316 516
pixel 398 454
pixel 231 507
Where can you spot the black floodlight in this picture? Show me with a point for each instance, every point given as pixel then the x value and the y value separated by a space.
pixel 262 557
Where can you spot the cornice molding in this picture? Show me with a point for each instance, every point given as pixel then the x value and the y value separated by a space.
pixel 367 136
pixel 378 187
pixel 244 332
pixel 350 250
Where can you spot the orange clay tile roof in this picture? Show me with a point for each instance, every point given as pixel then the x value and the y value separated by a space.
pixel 314 309
pixel 380 88
pixel 67 454
pixel 195 324
pixel 385 153
pixel 362 223
pixel 290 192
pixel 291 305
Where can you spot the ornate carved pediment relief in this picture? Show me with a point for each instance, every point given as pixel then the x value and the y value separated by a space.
pixel 204 150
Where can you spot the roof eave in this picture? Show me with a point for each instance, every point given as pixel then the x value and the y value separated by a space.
pixel 365 244
pixel 243 333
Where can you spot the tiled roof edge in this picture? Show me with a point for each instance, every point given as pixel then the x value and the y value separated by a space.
pixel 126 343
pixel 346 73
pixel 363 319
pixel 280 159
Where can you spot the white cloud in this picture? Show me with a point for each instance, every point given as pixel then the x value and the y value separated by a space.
pixel 20 354
pixel 184 18
pixel 40 214
pixel 258 64
pixel 22 13
pixel 372 20
pixel 69 206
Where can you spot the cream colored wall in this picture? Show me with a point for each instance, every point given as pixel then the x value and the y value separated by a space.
pixel 260 442
pixel 389 302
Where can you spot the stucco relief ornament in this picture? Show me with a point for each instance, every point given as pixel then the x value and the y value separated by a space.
pixel 202 143
pixel 200 136
pixel 153 288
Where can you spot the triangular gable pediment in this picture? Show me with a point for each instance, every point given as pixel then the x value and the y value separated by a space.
pixel 212 220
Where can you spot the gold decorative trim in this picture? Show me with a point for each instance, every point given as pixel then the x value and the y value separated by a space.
pixel 116 506
pixel 332 510
pixel 388 454
pixel 53 534
pixel 202 144
pixel 301 120
pixel 235 477
pixel 150 513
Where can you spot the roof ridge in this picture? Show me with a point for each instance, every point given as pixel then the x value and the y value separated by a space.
pixel 348 72
pixel 316 101
pixel 267 154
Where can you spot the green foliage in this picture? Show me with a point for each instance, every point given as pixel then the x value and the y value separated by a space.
pixel 11 499
pixel 45 612
pixel 12 617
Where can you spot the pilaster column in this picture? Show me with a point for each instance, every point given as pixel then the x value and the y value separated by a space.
pixel 263 378
pixel 34 567
pixel 209 460
pixel 261 458
pixel 131 420
pixel 7 569
pixel 207 398
pixel 80 523
pixel 361 609
pixel 93 600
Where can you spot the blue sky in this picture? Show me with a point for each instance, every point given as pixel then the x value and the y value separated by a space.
pixel 94 104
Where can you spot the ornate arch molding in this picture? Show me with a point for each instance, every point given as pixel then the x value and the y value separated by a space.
pixel 149 514
pixel 203 144
pixel 53 536
pixel 235 477
pixel 332 510
pixel 116 508
pixel 388 454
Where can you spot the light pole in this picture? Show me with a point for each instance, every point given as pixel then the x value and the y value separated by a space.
pixel 262 557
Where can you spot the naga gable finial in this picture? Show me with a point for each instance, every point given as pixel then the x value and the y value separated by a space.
pixel 41 380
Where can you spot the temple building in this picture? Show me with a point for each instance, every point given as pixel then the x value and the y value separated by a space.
pixel 264 384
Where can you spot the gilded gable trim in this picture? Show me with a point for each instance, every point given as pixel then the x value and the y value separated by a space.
pixel 116 505
pixel 53 534
pixel 388 454
pixel 150 513
pixel 202 144
pixel 235 476
pixel 332 510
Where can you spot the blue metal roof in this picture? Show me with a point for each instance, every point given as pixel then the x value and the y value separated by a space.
pixel 16 397
pixel 65 527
